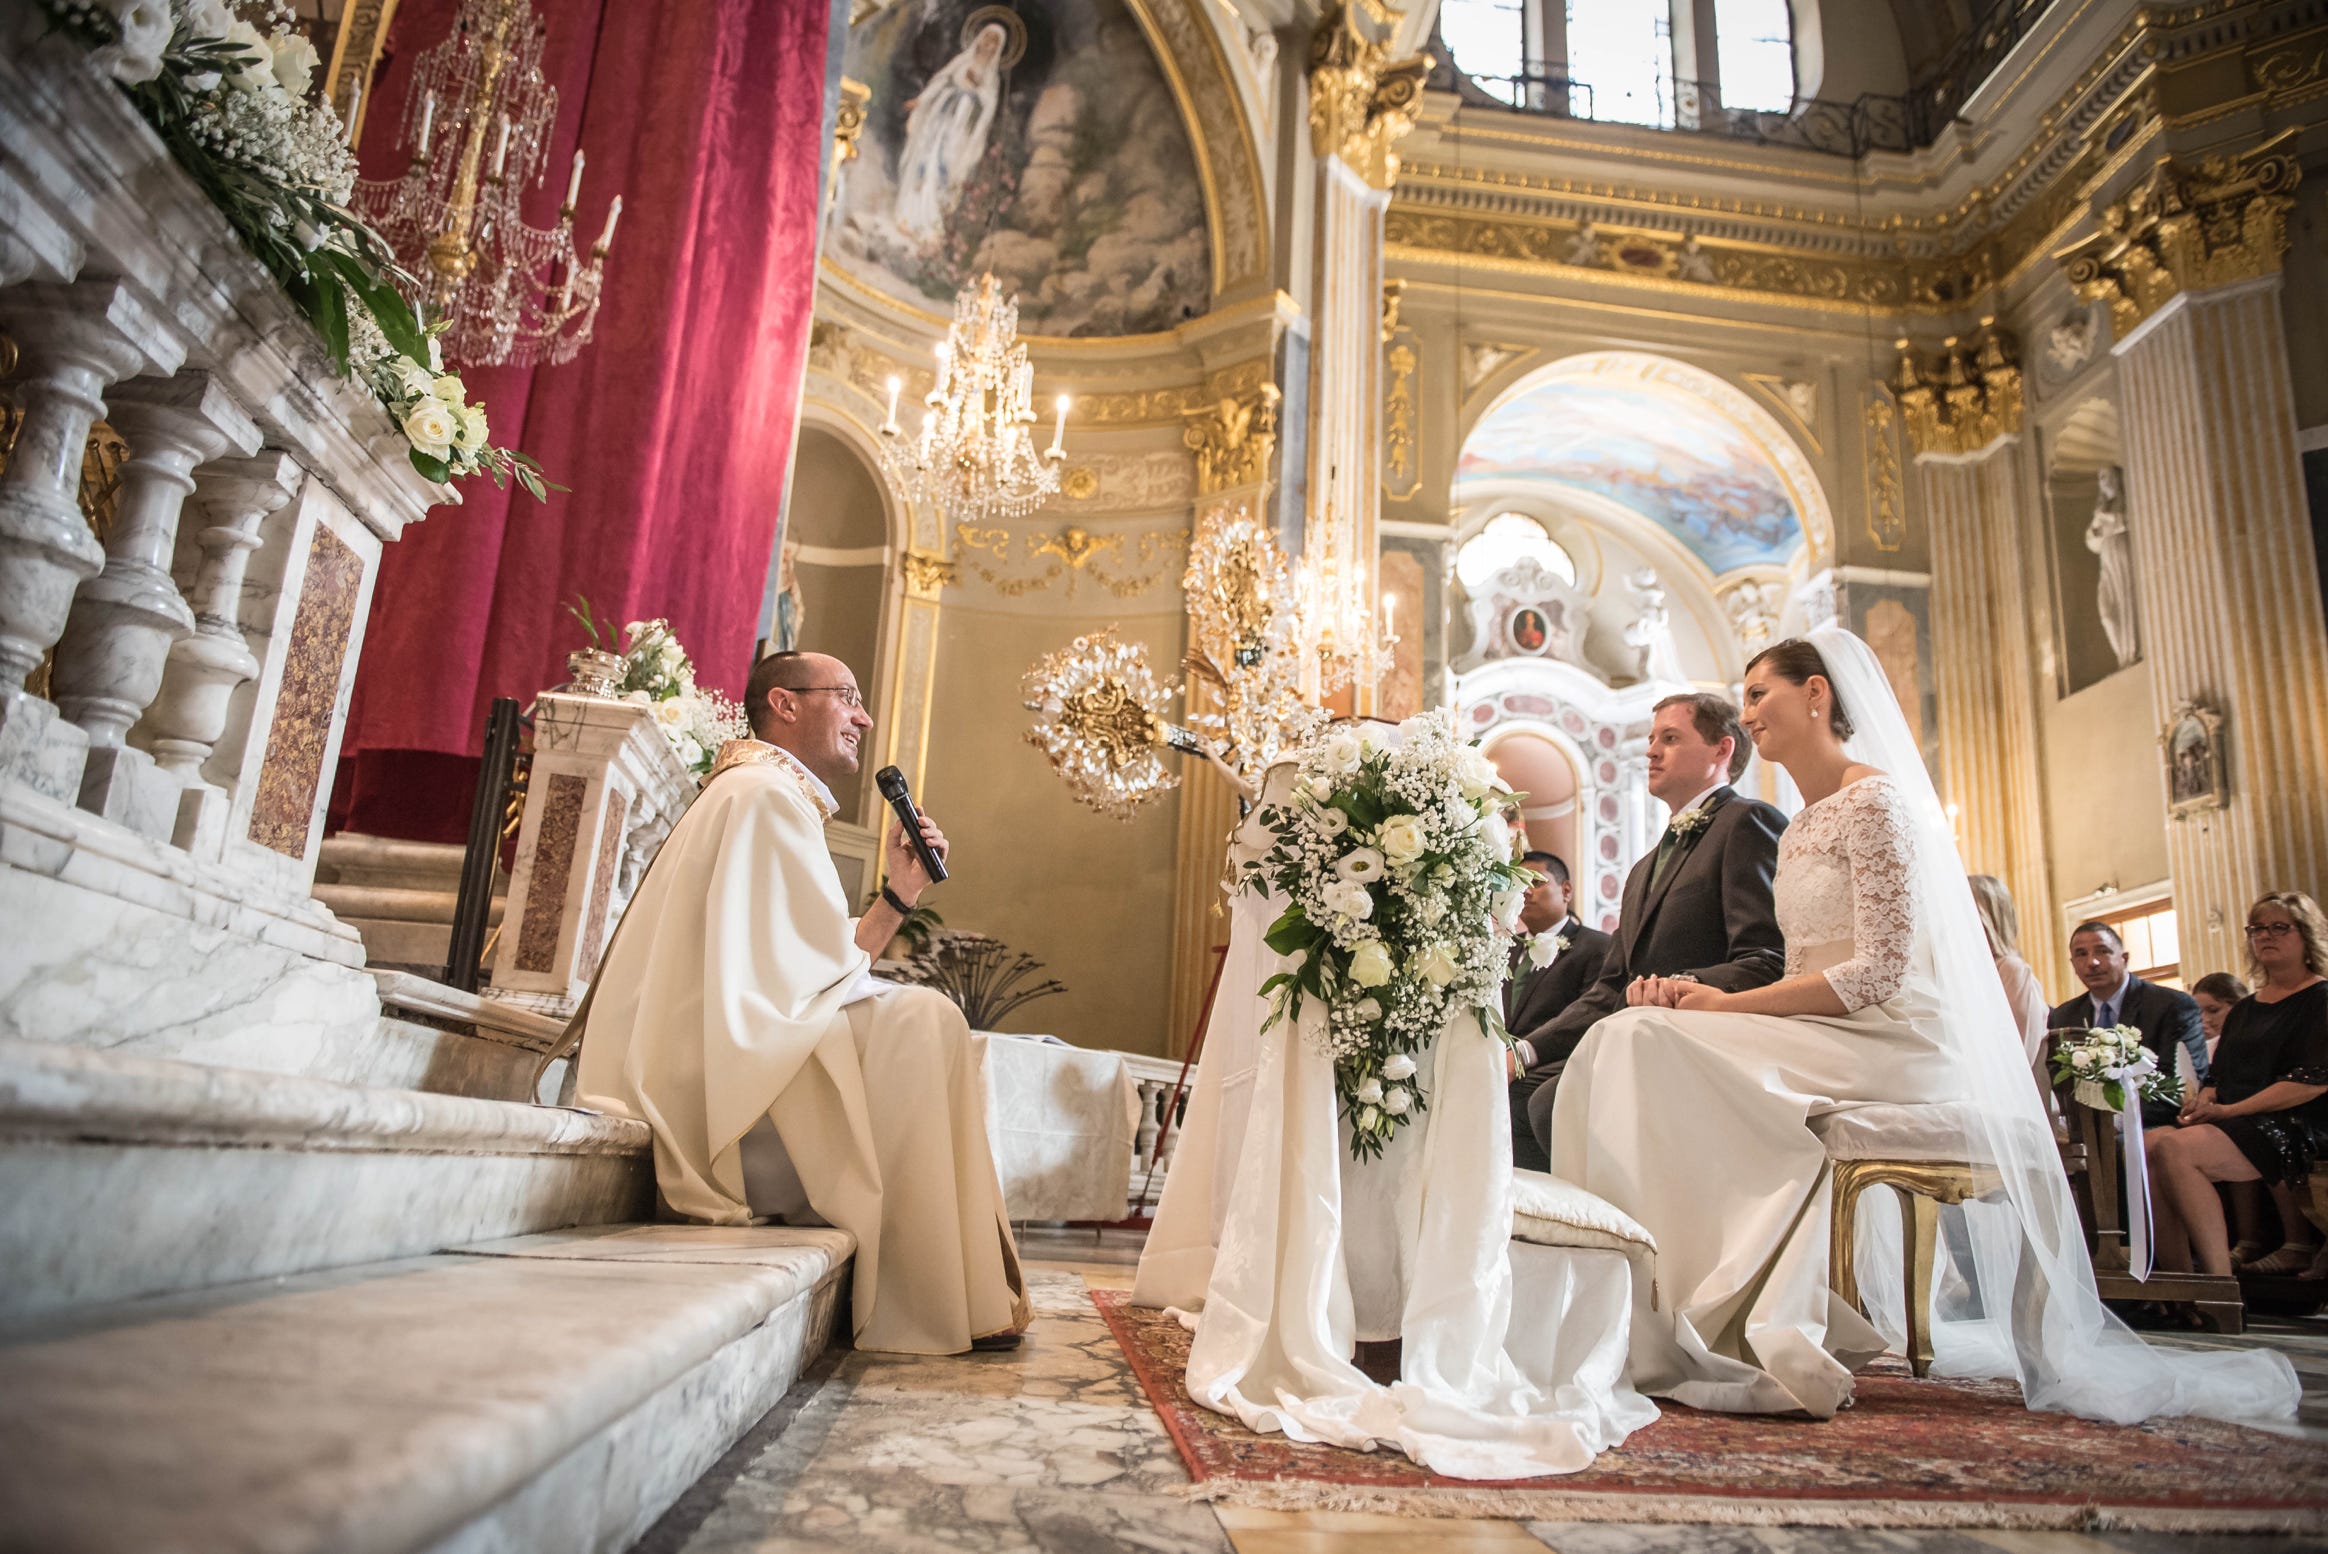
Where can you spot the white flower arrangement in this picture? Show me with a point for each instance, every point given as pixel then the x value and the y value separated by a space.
pixel 1395 865
pixel 658 675
pixel 231 102
pixel 2100 1064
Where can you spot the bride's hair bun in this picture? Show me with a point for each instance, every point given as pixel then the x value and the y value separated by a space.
pixel 1795 660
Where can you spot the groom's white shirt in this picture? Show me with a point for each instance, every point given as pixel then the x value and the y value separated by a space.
pixel 1699 802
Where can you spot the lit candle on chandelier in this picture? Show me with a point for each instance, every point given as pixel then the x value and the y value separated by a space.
pixel 1389 607
pixel 889 427
pixel 574 182
pixel 501 148
pixel 355 107
pixel 937 391
pixel 427 123
pixel 613 215
pixel 1058 448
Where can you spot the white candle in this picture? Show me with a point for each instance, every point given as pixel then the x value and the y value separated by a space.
pixel 427 123
pixel 896 386
pixel 1059 431
pixel 613 215
pixel 574 183
pixel 501 147
pixel 355 107
pixel 1389 607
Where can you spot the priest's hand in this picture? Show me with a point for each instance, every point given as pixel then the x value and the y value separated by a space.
pixel 904 866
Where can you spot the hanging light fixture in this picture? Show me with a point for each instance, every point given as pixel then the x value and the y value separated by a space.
pixel 478 118
pixel 974 458
pixel 1341 638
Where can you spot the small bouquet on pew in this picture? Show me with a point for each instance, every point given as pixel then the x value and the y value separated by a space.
pixel 2099 1064
pixel 1403 901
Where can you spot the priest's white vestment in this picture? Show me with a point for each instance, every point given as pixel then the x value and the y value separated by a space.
pixel 734 993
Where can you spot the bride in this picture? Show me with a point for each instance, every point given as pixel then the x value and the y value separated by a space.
pixel 1695 1110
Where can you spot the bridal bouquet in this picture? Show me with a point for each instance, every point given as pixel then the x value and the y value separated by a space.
pixel 232 103
pixel 2101 1063
pixel 658 675
pixel 1403 903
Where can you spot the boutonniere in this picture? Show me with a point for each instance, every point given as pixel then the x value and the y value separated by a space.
pixel 1690 822
pixel 1545 948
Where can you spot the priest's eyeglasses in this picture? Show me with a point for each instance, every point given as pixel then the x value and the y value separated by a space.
pixel 847 693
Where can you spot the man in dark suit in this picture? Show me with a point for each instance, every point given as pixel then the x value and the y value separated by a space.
pixel 2115 996
pixel 1556 959
pixel 1699 906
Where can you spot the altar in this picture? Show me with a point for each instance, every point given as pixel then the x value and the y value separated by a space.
pixel 1064 1122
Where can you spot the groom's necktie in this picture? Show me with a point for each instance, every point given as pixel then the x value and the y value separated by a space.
pixel 1668 849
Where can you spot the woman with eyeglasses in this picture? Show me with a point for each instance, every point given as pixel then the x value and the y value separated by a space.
pixel 2263 1116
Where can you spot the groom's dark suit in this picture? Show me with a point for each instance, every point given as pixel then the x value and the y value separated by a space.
pixel 1710 916
pixel 1533 999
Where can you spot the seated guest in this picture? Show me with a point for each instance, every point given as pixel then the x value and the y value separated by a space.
pixel 2002 924
pixel 1557 959
pixel 2263 1116
pixel 2215 993
pixel 2114 996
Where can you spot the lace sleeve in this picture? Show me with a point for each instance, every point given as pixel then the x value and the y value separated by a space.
pixel 1881 849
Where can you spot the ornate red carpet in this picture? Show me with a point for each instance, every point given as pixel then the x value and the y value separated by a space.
pixel 1908 1453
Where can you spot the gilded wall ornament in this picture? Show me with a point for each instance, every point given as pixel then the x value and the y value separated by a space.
pixel 1137 563
pixel 1400 475
pixel 1887 514
pixel 926 574
pixel 2183 229
pixel 1966 399
pixel 1233 438
pixel 849 119
pixel 1360 100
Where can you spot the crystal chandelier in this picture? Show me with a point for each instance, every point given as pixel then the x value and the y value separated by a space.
pixel 974 458
pixel 1341 639
pixel 1099 717
pixel 1244 642
pixel 478 117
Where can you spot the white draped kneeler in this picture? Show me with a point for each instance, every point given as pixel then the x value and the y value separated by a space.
pixel 1576 1260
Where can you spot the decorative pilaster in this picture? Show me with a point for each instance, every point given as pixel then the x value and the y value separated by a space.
pixel 2227 592
pixel 109 661
pixel 1989 763
pixel 76 341
pixel 922 581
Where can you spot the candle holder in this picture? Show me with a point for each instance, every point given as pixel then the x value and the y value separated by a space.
pixel 974 457
pixel 478 117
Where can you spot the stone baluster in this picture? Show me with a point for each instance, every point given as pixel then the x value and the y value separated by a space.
pixel 76 341
pixel 1152 1093
pixel 109 662
pixel 209 664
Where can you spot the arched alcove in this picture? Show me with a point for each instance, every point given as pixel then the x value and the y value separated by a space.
pixel 1541 768
pixel 833 571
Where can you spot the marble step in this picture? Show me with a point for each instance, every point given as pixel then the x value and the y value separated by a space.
pixel 398 895
pixel 123 1176
pixel 555 1392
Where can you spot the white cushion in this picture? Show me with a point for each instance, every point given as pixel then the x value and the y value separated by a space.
pixel 1547 1211
pixel 1880 1130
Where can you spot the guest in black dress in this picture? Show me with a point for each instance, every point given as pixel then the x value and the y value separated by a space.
pixel 2263 1116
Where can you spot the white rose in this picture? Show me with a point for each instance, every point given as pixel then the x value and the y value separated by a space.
pixel 258 61
pixel 1402 838
pixel 449 388
pixel 641 698
pixel 1371 737
pixel 294 62
pixel 1542 949
pixel 413 380
pixel 1353 901
pixel 1506 907
pixel 143 28
pixel 1370 964
pixel 1342 753
pixel 674 712
pixel 1436 966
pixel 432 425
pixel 1360 865
pixel 2082 1060
pixel 1318 788
pixel 208 18
pixel 1400 1066
pixel 473 429
pixel 1397 1102
pixel 689 752
pixel 1332 822
pixel 1474 771
pixel 1370 1091
pixel 1369 1120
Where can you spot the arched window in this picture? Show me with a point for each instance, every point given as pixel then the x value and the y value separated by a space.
pixel 1510 538
pixel 1489 39
pixel 1756 40
pixel 1620 54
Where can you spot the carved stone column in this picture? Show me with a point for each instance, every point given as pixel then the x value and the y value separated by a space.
pixel 1963 417
pixel 208 665
pixel 2225 576
pixel 76 342
pixel 109 660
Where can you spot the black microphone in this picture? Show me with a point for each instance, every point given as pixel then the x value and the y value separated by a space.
pixel 891 782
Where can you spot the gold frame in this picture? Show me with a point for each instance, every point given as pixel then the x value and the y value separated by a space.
pixel 2217 794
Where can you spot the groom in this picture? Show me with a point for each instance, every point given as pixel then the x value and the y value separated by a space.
pixel 1698 906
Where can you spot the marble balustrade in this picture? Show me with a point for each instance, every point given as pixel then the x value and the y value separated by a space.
pixel 170 787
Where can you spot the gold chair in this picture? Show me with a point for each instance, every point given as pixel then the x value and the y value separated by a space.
pixel 1918 1152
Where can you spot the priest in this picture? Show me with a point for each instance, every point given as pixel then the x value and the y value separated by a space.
pixel 734 1014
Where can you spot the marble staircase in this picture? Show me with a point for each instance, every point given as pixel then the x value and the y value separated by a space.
pixel 398 896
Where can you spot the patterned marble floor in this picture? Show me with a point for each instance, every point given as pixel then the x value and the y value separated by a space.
pixel 1052 1450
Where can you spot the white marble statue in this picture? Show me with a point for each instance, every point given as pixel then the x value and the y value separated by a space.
pixel 1649 638
pixel 945 134
pixel 2106 537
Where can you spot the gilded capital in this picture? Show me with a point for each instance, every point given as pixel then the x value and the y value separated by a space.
pixel 1360 99
pixel 1966 398
pixel 1233 439
pixel 849 119
pixel 926 574
pixel 2185 229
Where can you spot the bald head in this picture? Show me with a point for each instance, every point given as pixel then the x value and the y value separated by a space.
pixel 808 703
pixel 785 671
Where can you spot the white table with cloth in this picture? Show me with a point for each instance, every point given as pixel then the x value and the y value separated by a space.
pixel 1061 1119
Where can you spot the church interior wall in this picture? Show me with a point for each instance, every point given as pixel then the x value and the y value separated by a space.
pixel 839 525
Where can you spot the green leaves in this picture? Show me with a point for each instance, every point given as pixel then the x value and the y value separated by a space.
pixel 434 468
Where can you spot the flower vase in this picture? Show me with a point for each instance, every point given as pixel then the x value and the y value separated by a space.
pixel 595 672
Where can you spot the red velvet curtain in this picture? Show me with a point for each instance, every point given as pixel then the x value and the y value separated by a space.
pixel 672 427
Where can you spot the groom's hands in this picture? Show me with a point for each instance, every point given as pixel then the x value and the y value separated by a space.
pixel 1673 993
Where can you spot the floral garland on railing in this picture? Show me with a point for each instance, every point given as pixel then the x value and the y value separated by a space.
pixel 658 675
pixel 231 103
pixel 1402 903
